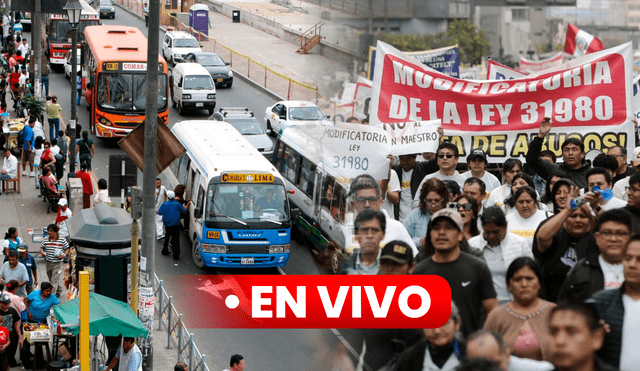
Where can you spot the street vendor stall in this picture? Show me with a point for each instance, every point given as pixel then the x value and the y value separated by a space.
pixel 10 130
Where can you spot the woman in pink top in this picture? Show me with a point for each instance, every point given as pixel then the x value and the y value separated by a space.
pixel 17 302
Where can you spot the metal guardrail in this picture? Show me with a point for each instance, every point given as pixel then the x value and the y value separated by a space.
pixel 178 335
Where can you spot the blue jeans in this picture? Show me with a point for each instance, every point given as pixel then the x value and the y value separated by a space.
pixel 45 83
pixel 79 96
pixel 87 159
pixel 53 130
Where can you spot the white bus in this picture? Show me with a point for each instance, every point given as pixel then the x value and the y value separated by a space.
pixel 240 212
pixel 325 218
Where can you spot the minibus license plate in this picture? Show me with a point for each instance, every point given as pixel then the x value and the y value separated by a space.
pixel 199 104
pixel 246 261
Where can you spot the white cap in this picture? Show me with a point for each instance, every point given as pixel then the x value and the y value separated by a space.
pixel 63 202
pixel 635 156
pixel 171 195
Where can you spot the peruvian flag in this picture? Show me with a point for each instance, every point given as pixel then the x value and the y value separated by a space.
pixel 579 43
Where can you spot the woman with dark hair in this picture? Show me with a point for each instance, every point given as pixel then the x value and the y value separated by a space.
pixel 86 149
pixel 563 191
pixel 40 302
pixel 499 248
pixel 11 241
pixel 519 180
pixel 433 197
pixel 179 192
pixel 468 209
pixel 547 199
pixel 523 321
pixel 497 197
pixel 17 303
pixel 525 221
pixel 103 193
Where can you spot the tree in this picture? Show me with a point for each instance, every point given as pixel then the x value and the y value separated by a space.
pixel 472 43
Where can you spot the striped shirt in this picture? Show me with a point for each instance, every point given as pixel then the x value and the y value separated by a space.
pixel 50 248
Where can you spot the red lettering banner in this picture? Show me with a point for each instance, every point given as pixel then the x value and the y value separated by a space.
pixel 588 97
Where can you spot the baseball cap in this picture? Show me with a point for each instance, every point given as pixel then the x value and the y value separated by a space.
pixel 171 195
pixel 450 214
pixel 398 252
pixel 5 299
pixel 63 202
pixel 23 247
pixel 477 153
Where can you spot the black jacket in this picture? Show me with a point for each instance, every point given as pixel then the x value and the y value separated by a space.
pixel 544 169
pixel 583 280
pixel 412 359
pixel 420 170
pixel 609 305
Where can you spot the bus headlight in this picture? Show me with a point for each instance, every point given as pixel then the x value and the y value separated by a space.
pixel 278 249
pixel 186 96
pixel 214 249
pixel 104 121
pixel 211 96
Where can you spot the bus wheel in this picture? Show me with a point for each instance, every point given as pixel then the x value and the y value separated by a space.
pixel 334 262
pixel 197 259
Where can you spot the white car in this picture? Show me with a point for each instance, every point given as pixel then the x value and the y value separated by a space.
pixel 293 112
pixel 177 44
pixel 67 64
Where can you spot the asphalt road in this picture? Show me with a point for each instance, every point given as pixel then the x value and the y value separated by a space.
pixel 263 349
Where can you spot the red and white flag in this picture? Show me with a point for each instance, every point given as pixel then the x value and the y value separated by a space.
pixel 579 43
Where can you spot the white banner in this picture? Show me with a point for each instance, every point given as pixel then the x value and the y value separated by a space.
pixel 497 71
pixel 636 97
pixel 529 65
pixel 413 137
pixel 354 149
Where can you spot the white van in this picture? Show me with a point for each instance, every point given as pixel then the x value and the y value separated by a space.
pixel 192 88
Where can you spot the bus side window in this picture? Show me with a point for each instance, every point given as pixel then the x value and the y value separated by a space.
pixel 307 177
pixel 339 203
pixel 175 165
pixel 200 199
pixel 182 172
pixel 280 157
pixel 291 165
pixel 195 179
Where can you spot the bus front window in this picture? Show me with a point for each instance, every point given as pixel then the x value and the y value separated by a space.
pixel 125 92
pixel 247 203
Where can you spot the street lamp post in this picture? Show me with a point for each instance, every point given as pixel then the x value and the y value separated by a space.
pixel 74 9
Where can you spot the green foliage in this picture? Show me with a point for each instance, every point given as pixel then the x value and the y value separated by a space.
pixel 33 103
pixel 472 43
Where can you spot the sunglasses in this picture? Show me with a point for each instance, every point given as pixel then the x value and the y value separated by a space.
pixel 445 155
pixel 456 206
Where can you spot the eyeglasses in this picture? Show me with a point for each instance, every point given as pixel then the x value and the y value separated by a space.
pixel 363 200
pixel 633 189
pixel 617 234
pixel 433 202
pixel 454 205
pixel 447 155
pixel 368 230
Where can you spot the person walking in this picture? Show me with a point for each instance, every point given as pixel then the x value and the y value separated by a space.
pixel 79 87
pixel 87 185
pixel 54 248
pixel 171 212
pixel 161 197
pixel 86 149
pixel 53 113
pixel 145 11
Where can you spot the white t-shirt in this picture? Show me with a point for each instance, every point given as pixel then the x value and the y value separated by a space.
pixel 396 231
pixel 393 186
pixel 491 182
pixel 629 355
pixel 457 177
pixel 64 231
pixel 405 195
pixel 613 274
pixel 613 203
pixel 525 228
pixel 498 196
pixel 620 189
pixel 160 193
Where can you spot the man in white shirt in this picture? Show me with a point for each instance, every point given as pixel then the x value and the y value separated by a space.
pixel 477 161
pixel 160 198
pixel 24 48
pixel 367 195
pixel 9 167
pixel 599 177
pixel 447 157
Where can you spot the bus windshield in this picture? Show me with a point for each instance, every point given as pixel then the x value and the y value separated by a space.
pixel 61 30
pixel 242 202
pixel 198 83
pixel 125 92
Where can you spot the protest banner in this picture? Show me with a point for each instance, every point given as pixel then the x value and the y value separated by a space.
pixel 579 42
pixel 445 60
pixel 413 137
pixel 354 149
pixel 497 71
pixel 529 65
pixel 636 97
pixel 589 97
pixel 355 97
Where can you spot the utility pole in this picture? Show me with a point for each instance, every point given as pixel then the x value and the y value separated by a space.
pixel 149 173
pixel 36 46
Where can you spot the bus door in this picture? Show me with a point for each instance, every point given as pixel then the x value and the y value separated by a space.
pixel 191 193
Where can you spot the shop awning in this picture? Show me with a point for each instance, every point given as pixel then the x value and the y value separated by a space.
pixel 107 316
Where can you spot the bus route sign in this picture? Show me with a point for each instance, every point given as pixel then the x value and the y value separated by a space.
pixel 247 178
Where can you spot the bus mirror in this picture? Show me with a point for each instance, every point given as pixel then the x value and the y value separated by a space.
pixel 170 80
pixel 295 213
pixel 292 191
pixel 197 212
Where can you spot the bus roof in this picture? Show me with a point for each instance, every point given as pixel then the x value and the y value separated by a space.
pixel 218 147
pixel 117 43
pixel 87 10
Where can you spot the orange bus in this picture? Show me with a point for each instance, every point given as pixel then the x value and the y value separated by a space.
pixel 56 35
pixel 115 63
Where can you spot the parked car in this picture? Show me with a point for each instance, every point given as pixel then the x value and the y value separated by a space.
pixel 107 10
pixel 293 112
pixel 244 121
pixel 177 44
pixel 217 67
pixel 68 66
